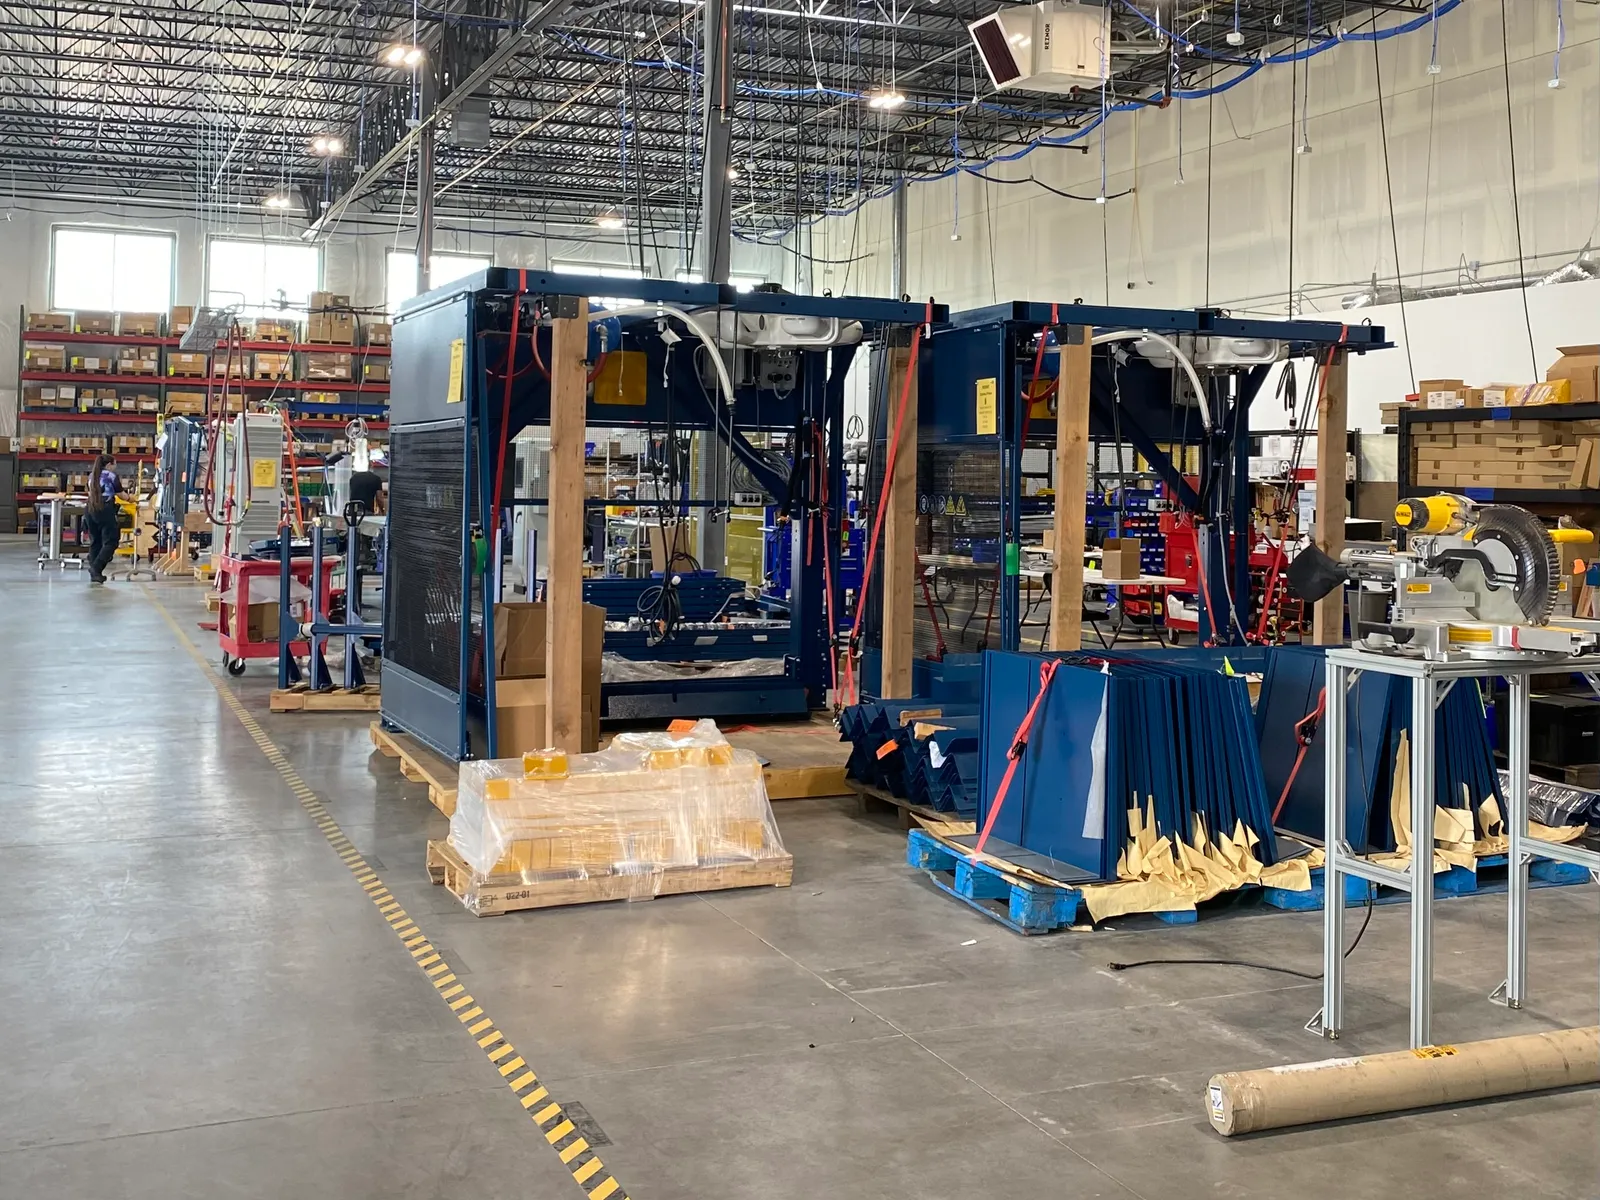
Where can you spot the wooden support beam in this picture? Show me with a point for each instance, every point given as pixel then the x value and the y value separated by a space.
pixel 1327 622
pixel 569 347
pixel 1072 486
pixel 900 538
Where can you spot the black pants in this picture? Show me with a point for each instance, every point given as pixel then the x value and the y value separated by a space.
pixel 104 537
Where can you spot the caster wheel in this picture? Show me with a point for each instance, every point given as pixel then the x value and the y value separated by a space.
pixel 236 666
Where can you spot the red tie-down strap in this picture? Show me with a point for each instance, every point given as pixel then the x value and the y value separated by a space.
pixel 1019 747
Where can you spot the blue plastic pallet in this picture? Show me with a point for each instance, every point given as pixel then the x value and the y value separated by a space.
pixel 1457 881
pixel 1018 904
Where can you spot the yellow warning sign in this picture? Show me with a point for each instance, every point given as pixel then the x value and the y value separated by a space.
pixel 986 419
pixel 1423 588
pixel 264 472
pixel 458 370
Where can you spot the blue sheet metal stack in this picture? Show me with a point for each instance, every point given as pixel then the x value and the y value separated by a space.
pixel 938 770
pixel 1378 711
pixel 1169 732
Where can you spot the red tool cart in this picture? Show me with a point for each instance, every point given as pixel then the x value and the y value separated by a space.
pixel 248 630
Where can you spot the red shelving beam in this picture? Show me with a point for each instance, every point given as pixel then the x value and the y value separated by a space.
pixel 45 414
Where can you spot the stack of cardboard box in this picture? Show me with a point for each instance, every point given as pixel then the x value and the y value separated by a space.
pixel 1530 454
pixel 49 322
pixel 179 320
pixel 92 364
pixel 331 320
pixel 378 334
pixel 520 689
pixel 36 443
pixel 186 403
pixel 138 360
pixel 1574 378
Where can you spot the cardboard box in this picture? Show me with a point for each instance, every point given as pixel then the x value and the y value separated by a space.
pixel 186 364
pixel 1120 558
pixel 40 356
pixel 331 320
pixel 376 371
pixel 179 319
pixel 140 324
pixel 49 322
pixel 520 717
pixel 274 365
pixel 1586 465
pixel 1448 393
pixel 271 329
pixel 138 360
pixel 519 642
pixel 261 621
pixel 328 366
pixel 322 397
pixel 235 366
pixel 678 540
pixel 1579 366
pixel 87 321
pixel 92 364
pixel 378 333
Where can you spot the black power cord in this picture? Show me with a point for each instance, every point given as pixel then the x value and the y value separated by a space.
pixel 1240 962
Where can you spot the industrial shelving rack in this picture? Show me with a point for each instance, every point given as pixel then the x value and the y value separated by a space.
pixel 358 398
pixel 1522 496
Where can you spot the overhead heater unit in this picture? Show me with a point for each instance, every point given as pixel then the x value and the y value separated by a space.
pixel 1056 46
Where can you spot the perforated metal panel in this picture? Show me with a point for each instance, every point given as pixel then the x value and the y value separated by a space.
pixel 422 587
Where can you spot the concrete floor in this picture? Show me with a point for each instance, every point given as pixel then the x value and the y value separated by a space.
pixel 200 1001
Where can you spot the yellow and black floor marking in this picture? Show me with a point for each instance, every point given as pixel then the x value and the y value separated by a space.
pixel 587 1170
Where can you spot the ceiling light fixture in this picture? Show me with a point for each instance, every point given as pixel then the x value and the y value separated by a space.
pixel 327 146
pixel 403 54
pixel 609 221
pixel 885 100
pixel 733 172
pixel 278 200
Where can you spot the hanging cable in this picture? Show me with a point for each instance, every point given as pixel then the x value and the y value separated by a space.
pixel 1516 204
pixel 1394 231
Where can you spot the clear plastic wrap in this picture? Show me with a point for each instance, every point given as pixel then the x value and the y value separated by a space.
pixel 648 804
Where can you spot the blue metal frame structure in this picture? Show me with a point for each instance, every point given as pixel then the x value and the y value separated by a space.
pixel 455 717
pixel 1133 401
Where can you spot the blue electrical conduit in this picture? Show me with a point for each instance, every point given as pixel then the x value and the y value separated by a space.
pixel 1371 35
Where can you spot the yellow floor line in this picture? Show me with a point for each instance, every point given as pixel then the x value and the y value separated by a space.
pixel 571 1148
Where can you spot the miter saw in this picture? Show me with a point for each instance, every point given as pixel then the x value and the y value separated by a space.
pixel 1475 581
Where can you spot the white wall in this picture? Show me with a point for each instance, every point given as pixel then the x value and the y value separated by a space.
pixel 1450 169
pixel 354 258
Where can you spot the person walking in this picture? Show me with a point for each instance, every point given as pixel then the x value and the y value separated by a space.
pixel 101 519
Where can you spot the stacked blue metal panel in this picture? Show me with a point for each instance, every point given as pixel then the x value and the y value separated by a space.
pixel 1168 733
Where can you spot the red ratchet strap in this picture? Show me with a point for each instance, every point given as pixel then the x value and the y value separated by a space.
pixel 1305 731
pixel 883 503
pixel 1038 365
pixel 505 409
pixel 1019 746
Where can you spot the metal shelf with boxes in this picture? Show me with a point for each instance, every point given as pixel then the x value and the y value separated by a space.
pixel 1527 444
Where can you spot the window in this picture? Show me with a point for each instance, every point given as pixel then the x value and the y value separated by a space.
pixel 109 269
pixel 741 283
pixel 442 269
pixel 262 278
pixel 605 272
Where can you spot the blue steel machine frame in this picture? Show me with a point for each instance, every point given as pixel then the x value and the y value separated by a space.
pixel 470 322
pixel 1135 401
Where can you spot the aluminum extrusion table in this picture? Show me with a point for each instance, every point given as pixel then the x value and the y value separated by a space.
pixel 1430 681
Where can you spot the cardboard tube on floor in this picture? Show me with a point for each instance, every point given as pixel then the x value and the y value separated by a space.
pixel 1336 1088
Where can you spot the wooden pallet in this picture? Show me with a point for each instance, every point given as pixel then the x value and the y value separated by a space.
pixel 1489 879
pixel 1585 776
pixel 492 895
pixel 876 799
pixel 420 765
pixel 300 698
